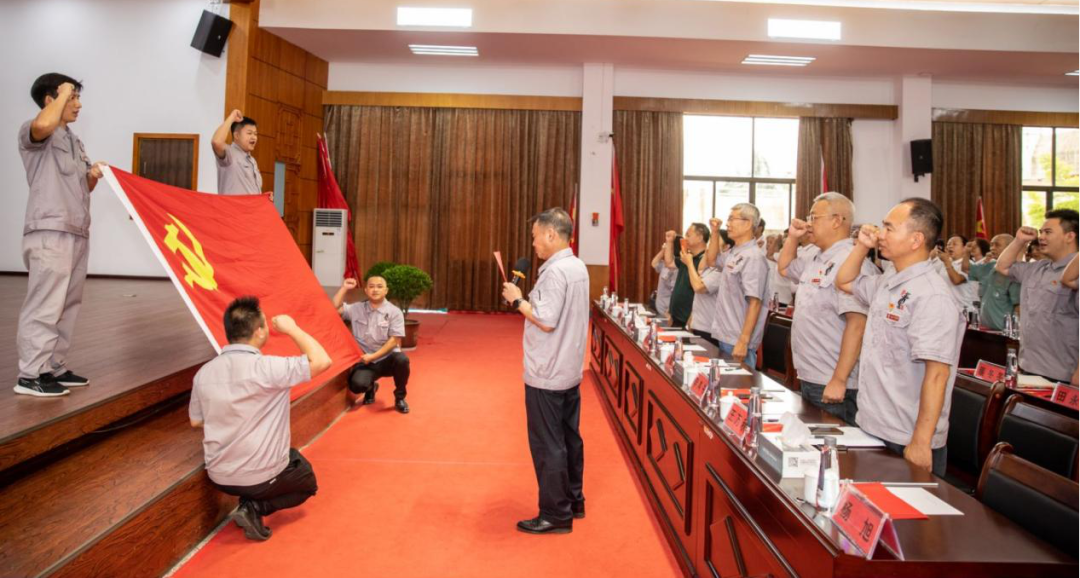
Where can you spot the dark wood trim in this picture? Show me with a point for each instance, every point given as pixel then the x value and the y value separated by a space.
pixel 245 18
pixel 1018 406
pixel 757 108
pixel 194 138
pixel 1042 480
pixel 446 100
pixel 1017 117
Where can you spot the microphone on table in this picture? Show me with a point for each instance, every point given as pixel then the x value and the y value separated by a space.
pixel 518 272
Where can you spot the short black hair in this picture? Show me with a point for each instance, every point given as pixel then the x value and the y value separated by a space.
pixel 242 123
pixel 983 244
pixel 242 318
pixel 1067 217
pixel 378 275
pixel 926 218
pixel 726 238
pixel 702 230
pixel 558 219
pixel 49 85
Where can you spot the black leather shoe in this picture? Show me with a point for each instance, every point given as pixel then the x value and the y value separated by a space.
pixel 578 508
pixel 401 406
pixel 539 525
pixel 246 517
pixel 369 397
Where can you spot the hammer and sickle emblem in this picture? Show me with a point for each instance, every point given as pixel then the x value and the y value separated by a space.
pixel 198 269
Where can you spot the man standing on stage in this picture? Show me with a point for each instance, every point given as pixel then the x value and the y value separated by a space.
pixel 241 400
pixel 237 171
pixel 56 236
pixel 556 324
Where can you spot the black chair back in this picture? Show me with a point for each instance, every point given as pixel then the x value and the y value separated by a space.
pixel 1033 497
pixel 976 409
pixel 775 355
pixel 1040 436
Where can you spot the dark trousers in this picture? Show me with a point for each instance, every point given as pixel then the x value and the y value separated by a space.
pixel 845 410
pixel 292 487
pixel 396 364
pixel 558 453
pixel 938 458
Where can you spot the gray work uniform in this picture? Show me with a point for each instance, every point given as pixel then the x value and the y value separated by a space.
pixel 242 398
pixel 372 328
pixel 238 173
pixel 704 312
pixel 1048 319
pixel 913 317
pixel 817 329
pixel 744 273
pixel 560 299
pixel 55 248
pixel 664 287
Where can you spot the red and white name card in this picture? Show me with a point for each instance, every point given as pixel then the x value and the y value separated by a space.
pixel 669 362
pixel 1066 395
pixel 700 384
pixel 865 524
pixel 735 422
pixel 991 372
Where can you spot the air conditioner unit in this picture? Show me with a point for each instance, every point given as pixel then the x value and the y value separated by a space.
pixel 328 246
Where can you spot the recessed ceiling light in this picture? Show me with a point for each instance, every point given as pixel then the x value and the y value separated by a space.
pixel 433 50
pixel 1073 73
pixel 778 60
pixel 804 29
pixel 446 17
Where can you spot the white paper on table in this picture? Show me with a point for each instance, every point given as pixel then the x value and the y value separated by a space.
pixel 924 501
pixel 677 333
pixel 731 370
pixel 693 347
pixel 1033 381
pixel 852 437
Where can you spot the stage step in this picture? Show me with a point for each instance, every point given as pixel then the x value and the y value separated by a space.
pixel 131 503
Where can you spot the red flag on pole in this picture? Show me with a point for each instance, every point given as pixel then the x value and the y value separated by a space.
pixel 216 248
pixel 980 221
pixel 574 219
pixel 330 197
pixel 824 175
pixel 617 224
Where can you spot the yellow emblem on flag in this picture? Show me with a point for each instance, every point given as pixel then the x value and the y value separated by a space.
pixel 198 269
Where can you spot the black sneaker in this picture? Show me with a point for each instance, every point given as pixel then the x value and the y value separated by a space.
pixel 251 522
pixel 40 387
pixel 369 395
pixel 69 379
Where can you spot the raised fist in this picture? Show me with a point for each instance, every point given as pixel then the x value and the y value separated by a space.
pixel 797 229
pixel 65 90
pixel 669 236
pixel 283 324
pixel 1026 234
pixel 349 284
pixel 868 236
pixel 236 116
pixel 715 224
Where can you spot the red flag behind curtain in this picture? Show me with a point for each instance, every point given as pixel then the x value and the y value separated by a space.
pixel 574 219
pixel 617 225
pixel 980 221
pixel 330 197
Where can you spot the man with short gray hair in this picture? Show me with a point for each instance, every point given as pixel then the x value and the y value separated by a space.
pixel 556 327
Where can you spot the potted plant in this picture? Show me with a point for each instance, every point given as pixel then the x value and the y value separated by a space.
pixel 406 283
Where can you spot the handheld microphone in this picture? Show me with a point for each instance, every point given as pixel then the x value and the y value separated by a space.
pixel 519 269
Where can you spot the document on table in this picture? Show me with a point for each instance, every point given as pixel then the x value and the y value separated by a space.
pixel 677 333
pixel 923 501
pixel 852 437
pixel 1033 381
pixel 693 347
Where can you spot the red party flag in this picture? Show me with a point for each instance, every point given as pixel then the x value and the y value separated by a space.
pixel 330 197
pixel 980 221
pixel 617 225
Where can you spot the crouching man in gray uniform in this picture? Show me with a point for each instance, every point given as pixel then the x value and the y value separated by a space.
pixel 556 324
pixel 56 235
pixel 241 400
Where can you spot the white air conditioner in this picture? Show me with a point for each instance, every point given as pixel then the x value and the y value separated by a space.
pixel 328 246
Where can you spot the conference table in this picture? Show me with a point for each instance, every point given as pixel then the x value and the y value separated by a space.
pixel 725 513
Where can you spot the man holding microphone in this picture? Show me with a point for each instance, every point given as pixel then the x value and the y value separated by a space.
pixel 556 324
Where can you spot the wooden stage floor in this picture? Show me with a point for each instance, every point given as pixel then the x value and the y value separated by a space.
pixel 129 333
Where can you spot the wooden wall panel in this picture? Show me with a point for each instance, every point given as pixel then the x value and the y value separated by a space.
pixel 265 114
pixel 267 48
pixel 293 59
pixel 317 71
pixel 309 195
pixel 313 99
pixel 312 125
pixel 308 159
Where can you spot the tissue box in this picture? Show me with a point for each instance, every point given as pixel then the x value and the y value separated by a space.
pixel 788 462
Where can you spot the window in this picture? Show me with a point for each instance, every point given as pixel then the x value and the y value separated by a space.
pixel 1049 159
pixel 730 159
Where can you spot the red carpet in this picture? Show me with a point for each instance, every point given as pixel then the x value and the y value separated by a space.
pixel 437 492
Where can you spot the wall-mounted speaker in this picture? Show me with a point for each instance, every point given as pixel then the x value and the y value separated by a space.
pixel 922 158
pixel 211 33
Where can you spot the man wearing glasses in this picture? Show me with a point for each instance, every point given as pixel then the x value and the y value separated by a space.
pixel 1048 324
pixel 739 321
pixel 827 328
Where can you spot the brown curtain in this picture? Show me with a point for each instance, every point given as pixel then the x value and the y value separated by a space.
pixel 973 160
pixel 441 188
pixel 648 146
pixel 829 138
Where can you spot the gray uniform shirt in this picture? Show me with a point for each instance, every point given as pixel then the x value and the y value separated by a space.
pixel 913 318
pixel 1048 319
pixel 242 398
pixel 238 173
pixel 704 312
pixel 817 330
pixel 744 272
pixel 56 172
pixel 373 327
pixel 560 299
pixel 664 287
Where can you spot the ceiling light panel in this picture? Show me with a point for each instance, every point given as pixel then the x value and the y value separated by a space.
pixel 435 50
pixel 435 17
pixel 770 60
pixel 804 29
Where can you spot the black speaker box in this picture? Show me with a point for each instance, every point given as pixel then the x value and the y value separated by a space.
pixel 922 158
pixel 211 34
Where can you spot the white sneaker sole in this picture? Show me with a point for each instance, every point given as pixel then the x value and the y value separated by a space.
pixel 74 383
pixel 27 391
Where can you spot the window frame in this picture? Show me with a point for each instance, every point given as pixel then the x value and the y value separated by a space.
pixel 1048 191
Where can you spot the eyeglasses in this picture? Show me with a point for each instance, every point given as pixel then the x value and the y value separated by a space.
pixel 812 217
